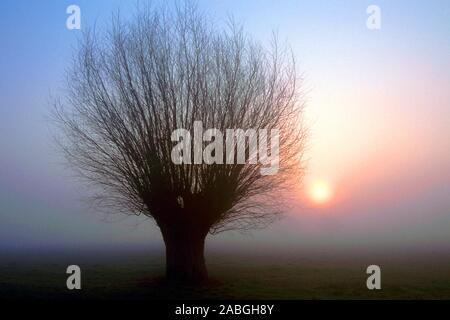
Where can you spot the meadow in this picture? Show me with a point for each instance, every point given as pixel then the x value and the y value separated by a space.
pixel 138 274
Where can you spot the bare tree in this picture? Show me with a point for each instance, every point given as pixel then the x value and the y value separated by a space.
pixel 132 85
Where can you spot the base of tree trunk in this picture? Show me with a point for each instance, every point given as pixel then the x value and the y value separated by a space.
pixel 185 262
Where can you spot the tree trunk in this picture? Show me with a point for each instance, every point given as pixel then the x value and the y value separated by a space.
pixel 185 260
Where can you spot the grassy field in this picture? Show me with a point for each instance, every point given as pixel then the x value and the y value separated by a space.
pixel 293 275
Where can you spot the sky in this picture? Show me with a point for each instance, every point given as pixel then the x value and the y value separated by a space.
pixel 377 111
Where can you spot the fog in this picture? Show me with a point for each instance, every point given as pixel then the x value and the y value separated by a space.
pixel 378 110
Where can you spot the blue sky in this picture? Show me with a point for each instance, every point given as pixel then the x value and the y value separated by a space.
pixel 396 77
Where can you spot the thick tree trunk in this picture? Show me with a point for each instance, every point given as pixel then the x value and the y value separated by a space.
pixel 185 260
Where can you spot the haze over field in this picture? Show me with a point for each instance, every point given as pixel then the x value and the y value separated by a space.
pixel 378 111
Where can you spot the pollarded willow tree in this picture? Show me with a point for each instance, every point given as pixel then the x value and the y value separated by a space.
pixel 131 86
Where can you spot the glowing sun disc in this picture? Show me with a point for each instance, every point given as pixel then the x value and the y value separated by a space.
pixel 320 192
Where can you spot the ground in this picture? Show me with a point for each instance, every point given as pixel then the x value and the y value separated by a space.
pixel 234 275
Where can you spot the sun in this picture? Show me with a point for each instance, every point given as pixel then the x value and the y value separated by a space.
pixel 320 192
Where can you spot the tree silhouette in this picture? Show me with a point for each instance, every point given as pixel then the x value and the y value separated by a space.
pixel 132 85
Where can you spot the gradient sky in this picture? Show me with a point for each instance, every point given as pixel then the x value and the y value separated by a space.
pixel 378 111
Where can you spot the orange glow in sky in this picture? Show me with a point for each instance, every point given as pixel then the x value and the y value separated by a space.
pixel 320 192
